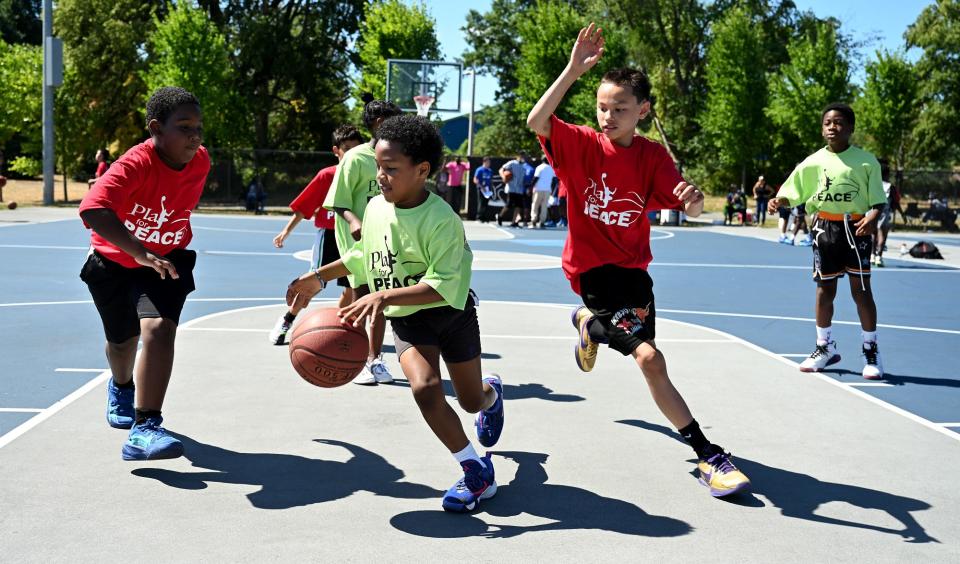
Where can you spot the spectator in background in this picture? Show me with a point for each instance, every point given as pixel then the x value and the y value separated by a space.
pixel 512 173
pixel 761 193
pixel 256 196
pixel 528 173
pixel 483 179
pixel 730 206
pixel 102 166
pixel 543 181
pixel 443 178
pixel 456 174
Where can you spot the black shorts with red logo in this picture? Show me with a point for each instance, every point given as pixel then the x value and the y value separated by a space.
pixel 621 300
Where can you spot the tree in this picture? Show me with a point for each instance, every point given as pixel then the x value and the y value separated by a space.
pixel 20 21
pixel 187 50
pixel 937 32
pixel 20 103
pixel 818 73
pixel 392 30
pixel 888 108
pixel 733 116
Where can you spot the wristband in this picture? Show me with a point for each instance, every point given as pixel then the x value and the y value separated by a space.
pixel 320 280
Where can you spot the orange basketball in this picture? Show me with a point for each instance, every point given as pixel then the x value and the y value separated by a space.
pixel 506 175
pixel 326 352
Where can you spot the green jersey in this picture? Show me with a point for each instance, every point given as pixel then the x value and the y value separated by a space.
pixel 847 182
pixel 401 247
pixel 354 184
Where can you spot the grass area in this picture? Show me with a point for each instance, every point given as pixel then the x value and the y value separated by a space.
pixel 30 192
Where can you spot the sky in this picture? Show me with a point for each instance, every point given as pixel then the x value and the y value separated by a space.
pixel 884 21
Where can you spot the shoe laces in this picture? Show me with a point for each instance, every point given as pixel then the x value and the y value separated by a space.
pixel 152 427
pixel 820 351
pixel 378 367
pixel 721 462
pixel 870 353
pixel 471 481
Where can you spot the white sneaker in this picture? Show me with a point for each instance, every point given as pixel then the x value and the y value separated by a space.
pixel 366 377
pixel 872 365
pixel 278 335
pixel 821 357
pixel 380 372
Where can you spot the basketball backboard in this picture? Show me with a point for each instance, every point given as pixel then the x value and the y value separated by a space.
pixel 409 78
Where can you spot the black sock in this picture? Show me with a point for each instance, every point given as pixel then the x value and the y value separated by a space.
pixel 695 438
pixel 289 317
pixel 144 414
pixel 126 386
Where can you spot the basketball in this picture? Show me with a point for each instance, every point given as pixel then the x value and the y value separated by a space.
pixel 12 206
pixel 326 352
pixel 506 176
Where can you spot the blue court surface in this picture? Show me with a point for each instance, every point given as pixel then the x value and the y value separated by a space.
pixel 752 289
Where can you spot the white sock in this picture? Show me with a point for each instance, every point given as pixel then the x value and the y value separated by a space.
pixel 869 336
pixel 468 453
pixel 823 335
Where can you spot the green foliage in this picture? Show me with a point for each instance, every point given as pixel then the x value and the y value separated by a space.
pixel 733 117
pixel 888 108
pixel 392 30
pixel 27 166
pixel 937 32
pixel 187 50
pixel 20 21
pixel 21 101
pixel 817 74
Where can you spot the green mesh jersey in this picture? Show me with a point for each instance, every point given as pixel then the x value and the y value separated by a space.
pixel 847 182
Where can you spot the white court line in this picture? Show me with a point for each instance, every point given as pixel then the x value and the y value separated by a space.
pixel 794 267
pixel 189 300
pixel 80 369
pixel 869 384
pixel 232 230
pixel 20 410
pixel 806 319
pixel 950 424
pixel 798 355
pixel 668 234
pixel 248 253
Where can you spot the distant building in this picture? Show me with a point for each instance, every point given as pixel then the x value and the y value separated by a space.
pixel 454 130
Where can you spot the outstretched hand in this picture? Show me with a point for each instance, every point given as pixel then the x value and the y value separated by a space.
pixel 587 50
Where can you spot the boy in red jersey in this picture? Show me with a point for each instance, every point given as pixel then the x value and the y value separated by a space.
pixel 139 270
pixel 310 204
pixel 613 179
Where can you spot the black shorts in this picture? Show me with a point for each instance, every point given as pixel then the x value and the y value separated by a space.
pixel 325 251
pixel 621 300
pixel 124 296
pixel 832 254
pixel 784 212
pixel 455 332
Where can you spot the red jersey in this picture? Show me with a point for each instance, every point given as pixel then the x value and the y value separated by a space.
pixel 310 201
pixel 101 168
pixel 152 200
pixel 610 190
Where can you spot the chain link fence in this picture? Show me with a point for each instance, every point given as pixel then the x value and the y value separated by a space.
pixel 921 184
pixel 281 174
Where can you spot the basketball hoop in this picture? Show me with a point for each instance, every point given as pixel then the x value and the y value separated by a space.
pixel 423 103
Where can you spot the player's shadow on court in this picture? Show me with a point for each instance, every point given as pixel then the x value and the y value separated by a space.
pixel 799 495
pixel 897 380
pixel 511 391
pixel 529 494
pixel 287 480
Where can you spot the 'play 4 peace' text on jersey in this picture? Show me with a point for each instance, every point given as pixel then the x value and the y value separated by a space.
pixel 841 183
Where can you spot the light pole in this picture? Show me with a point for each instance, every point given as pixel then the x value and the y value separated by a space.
pixel 52 77
pixel 473 96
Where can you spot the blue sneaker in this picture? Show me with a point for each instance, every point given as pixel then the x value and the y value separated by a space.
pixel 477 483
pixel 149 441
pixel 119 406
pixel 489 422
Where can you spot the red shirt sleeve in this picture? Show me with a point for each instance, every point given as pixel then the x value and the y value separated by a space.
pixel 101 168
pixel 113 188
pixel 566 147
pixel 311 199
pixel 664 179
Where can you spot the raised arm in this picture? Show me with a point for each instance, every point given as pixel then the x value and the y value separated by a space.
pixel 586 52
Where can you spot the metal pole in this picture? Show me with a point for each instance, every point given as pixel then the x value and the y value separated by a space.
pixel 473 97
pixel 48 156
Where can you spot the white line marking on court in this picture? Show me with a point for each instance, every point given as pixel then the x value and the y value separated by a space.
pixel 950 424
pixel 80 369
pixel 869 384
pixel 20 410
pixel 863 395
pixel 795 267
pixel 198 300
pixel 668 234
pixel 233 230
pixel 225 329
pixel 808 320
pixel 56 247
pixel 798 355
pixel 248 253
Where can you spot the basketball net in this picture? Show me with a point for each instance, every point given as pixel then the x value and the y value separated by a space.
pixel 423 103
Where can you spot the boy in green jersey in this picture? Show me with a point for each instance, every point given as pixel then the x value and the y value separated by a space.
pixel 414 257
pixel 355 184
pixel 841 184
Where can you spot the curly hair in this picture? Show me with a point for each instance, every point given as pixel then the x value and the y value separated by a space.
pixel 165 100
pixel 843 109
pixel 375 109
pixel 417 138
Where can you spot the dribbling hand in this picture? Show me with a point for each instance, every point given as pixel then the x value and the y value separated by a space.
pixel 302 290
pixel 161 265
pixel 370 306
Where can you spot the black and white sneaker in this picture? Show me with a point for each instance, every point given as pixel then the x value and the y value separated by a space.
pixel 872 365
pixel 821 357
pixel 278 335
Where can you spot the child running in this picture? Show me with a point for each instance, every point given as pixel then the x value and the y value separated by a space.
pixel 613 179
pixel 309 204
pixel 842 185
pixel 414 256
pixel 139 270
pixel 355 184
